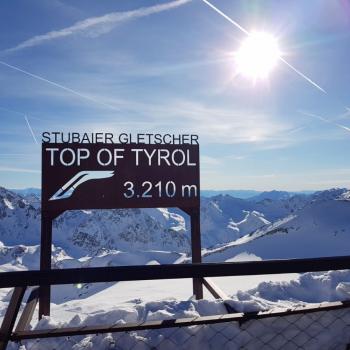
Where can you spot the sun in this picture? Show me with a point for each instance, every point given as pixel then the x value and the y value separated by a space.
pixel 257 56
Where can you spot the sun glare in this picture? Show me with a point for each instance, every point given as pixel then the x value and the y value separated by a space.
pixel 257 56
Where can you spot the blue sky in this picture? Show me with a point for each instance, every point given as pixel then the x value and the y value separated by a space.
pixel 168 66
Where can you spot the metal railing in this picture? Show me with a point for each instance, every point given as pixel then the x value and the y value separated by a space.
pixel 23 279
pixel 170 271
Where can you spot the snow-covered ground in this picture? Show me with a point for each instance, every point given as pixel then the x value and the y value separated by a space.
pixel 157 301
pixel 268 226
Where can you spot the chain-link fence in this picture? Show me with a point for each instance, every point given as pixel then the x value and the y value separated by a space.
pixel 313 329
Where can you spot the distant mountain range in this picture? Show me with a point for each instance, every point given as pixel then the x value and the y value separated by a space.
pixel 244 194
pixel 271 224
pixel 320 228
pixel 28 191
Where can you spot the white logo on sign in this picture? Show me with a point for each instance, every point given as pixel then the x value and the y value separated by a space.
pixel 67 189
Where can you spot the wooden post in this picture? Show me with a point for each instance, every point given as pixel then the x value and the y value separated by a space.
pixel 45 263
pixel 217 293
pixel 27 314
pixel 10 316
pixel 196 251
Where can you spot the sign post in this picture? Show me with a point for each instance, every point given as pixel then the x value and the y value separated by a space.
pixel 109 176
pixel 196 250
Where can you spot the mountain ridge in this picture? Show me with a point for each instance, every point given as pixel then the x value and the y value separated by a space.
pixel 224 219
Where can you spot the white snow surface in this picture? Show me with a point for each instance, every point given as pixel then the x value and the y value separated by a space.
pixel 88 232
pixel 321 229
pixel 266 227
pixel 101 308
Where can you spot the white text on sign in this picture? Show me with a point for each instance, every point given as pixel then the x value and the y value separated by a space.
pixel 109 157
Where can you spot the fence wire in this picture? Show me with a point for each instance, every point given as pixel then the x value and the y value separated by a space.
pixel 316 330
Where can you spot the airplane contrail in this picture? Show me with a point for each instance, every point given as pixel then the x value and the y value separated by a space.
pixel 75 92
pixel 226 17
pixel 325 120
pixel 12 111
pixel 96 25
pixel 26 119
pixel 237 25
pixel 302 75
pixel 30 129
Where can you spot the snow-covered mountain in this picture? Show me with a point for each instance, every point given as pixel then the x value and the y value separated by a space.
pixel 29 191
pixel 272 209
pixel 244 194
pixel 233 229
pixel 89 232
pixel 273 195
pixel 320 228
pixel 286 227
pixel 85 232
pixel 19 219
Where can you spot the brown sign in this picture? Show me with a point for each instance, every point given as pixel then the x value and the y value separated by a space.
pixel 104 176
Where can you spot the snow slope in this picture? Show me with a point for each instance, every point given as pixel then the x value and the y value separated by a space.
pixel 84 232
pixel 298 226
pixel 322 228
pixel 310 287
pixel 273 195
pixel 232 230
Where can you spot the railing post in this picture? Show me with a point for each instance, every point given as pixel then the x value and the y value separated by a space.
pixel 45 263
pixel 10 316
pixel 27 314
pixel 196 251
pixel 217 293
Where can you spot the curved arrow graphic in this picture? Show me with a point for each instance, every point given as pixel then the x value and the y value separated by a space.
pixel 68 188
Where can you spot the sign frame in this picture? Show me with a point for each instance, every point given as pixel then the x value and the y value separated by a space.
pixel 52 208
